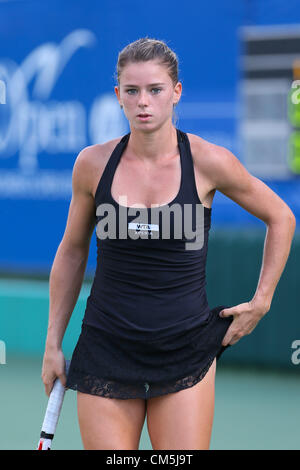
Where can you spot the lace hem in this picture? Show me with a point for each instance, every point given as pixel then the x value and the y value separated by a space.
pixel 112 389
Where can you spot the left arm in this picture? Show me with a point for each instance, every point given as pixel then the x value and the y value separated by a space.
pixel 232 179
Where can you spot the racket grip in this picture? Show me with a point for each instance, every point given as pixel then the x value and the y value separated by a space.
pixel 52 412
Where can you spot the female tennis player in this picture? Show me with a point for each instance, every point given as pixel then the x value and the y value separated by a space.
pixel 149 341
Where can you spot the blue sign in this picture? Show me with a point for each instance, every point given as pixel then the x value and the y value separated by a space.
pixel 57 65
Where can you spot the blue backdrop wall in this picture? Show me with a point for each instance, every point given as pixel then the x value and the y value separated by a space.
pixel 58 61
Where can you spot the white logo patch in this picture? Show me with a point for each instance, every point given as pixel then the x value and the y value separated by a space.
pixel 143 228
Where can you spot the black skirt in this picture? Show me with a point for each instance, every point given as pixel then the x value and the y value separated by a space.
pixel 106 365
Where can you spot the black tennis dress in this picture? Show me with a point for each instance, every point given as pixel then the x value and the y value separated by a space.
pixel 147 328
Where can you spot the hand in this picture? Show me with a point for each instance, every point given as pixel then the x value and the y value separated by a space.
pixel 245 318
pixel 53 367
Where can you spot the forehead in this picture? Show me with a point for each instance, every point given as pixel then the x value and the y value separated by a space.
pixel 141 73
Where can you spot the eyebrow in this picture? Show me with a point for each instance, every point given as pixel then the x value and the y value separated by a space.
pixel 151 84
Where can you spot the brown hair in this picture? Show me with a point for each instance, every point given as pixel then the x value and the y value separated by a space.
pixel 145 49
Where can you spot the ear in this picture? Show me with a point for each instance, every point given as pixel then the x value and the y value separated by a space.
pixel 177 92
pixel 117 92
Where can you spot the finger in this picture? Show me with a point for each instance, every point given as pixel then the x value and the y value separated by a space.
pixel 230 338
pixel 63 379
pixel 48 388
pixel 226 340
pixel 236 337
pixel 233 341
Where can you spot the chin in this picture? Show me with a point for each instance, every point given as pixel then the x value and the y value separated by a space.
pixel 147 127
pixel 143 126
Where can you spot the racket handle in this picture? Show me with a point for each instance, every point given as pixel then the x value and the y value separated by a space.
pixel 53 410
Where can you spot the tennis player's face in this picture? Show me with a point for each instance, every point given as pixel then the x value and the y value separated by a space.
pixel 147 94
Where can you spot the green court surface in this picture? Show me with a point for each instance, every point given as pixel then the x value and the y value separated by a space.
pixel 254 409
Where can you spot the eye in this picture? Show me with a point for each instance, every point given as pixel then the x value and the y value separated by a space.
pixel 130 90
pixel 157 90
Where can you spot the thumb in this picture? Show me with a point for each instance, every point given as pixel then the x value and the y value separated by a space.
pixel 226 312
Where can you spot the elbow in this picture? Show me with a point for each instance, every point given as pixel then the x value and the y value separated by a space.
pixel 285 216
pixel 290 220
pixel 293 222
pixel 291 217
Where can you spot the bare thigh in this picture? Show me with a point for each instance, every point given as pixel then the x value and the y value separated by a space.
pixel 184 419
pixel 110 423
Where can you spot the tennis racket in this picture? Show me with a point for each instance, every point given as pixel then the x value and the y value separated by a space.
pixel 52 413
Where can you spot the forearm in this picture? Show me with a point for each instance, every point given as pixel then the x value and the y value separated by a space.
pixel 65 283
pixel 277 246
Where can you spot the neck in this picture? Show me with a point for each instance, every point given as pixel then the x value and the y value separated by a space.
pixel 155 145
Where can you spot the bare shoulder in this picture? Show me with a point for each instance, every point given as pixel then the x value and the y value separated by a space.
pixel 224 172
pixel 214 161
pixel 90 163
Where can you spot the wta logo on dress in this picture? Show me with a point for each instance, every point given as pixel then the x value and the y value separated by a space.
pixel 143 228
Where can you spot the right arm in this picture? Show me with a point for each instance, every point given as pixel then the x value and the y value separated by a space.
pixel 67 272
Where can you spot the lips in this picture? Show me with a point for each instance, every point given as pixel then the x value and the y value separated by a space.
pixel 144 115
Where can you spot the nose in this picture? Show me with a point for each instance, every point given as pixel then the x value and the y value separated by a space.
pixel 143 99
